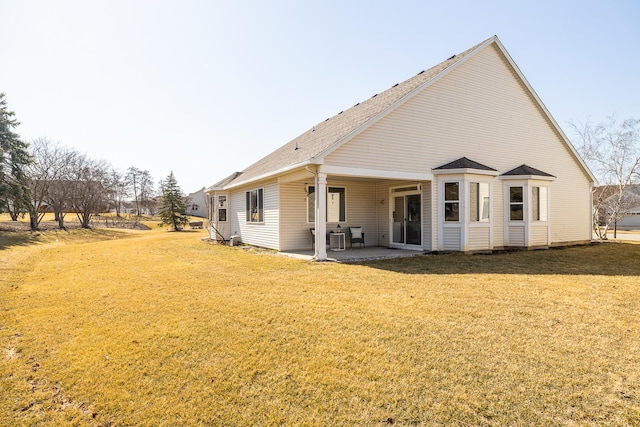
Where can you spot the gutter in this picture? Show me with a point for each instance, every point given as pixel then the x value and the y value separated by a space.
pixel 269 174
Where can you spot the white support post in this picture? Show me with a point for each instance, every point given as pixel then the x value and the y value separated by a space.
pixel 321 217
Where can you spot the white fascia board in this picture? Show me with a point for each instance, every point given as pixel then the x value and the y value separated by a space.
pixel 268 175
pixel 374 173
pixel 546 112
pixel 464 171
pixel 404 99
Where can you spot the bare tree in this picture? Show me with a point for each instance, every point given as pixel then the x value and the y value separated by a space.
pixel 60 190
pixel 90 194
pixel 119 190
pixel 140 186
pixel 611 149
pixel 42 172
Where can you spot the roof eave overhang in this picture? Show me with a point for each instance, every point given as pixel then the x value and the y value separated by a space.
pixel 268 175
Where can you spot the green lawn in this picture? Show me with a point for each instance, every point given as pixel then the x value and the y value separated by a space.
pixel 154 328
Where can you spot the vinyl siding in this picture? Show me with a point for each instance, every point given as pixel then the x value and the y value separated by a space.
pixel 361 199
pixel 257 234
pixel 478 238
pixel 482 111
pixel 538 234
pixel 516 236
pixel 451 238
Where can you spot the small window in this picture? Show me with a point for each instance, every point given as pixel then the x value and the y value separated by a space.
pixel 336 204
pixel 479 202
pixel 452 201
pixel 516 204
pixel 222 215
pixel 222 201
pixel 539 203
pixel 254 205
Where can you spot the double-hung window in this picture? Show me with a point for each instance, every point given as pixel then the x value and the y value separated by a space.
pixel 452 201
pixel 516 203
pixel 222 208
pixel 255 205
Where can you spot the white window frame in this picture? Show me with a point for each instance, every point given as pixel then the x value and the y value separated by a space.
pixel 311 204
pixel 457 202
pixel 522 203
pixel 259 208
pixel 539 203
pixel 221 205
pixel 482 204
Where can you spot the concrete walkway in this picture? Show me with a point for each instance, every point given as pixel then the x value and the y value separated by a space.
pixel 355 254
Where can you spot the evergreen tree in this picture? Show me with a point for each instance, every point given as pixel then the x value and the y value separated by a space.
pixel 174 209
pixel 14 192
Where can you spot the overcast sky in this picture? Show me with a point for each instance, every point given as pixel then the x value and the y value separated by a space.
pixel 205 88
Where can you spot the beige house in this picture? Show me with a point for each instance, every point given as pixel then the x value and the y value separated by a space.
pixel 463 156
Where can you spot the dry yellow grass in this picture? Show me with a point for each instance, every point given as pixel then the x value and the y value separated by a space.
pixel 158 328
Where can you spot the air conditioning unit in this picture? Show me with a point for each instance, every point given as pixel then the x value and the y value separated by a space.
pixel 235 241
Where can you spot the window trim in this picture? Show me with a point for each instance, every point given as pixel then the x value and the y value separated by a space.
pixel 311 204
pixel 481 205
pixel 539 211
pixel 520 203
pixel 451 202
pixel 259 208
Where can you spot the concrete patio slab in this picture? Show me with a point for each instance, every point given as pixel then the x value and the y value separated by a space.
pixel 356 255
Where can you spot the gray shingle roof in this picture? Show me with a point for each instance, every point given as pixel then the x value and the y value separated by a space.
pixel 225 181
pixel 526 170
pixel 464 163
pixel 331 131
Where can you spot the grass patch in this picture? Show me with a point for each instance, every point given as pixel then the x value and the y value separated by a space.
pixel 160 328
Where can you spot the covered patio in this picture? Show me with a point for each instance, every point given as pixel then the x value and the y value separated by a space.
pixel 356 254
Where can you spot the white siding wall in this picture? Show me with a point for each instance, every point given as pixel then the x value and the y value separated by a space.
pixel 294 228
pixel 538 234
pixel 382 208
pixel 258 234
pixel 481 111
pixel 451 238
pixel 478 238
pixel 427 230
pixel 516 236
pixel 361 199
pixel 497 214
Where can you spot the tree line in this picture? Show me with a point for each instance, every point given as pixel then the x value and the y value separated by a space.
pixel 611 149
pixel 44 176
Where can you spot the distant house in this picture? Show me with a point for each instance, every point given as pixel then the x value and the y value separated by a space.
pixel 463 156
pixel 197 203
pixel 629 216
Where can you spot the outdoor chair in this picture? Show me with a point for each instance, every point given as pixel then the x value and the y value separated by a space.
pixel 356 235
pixel 313 238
